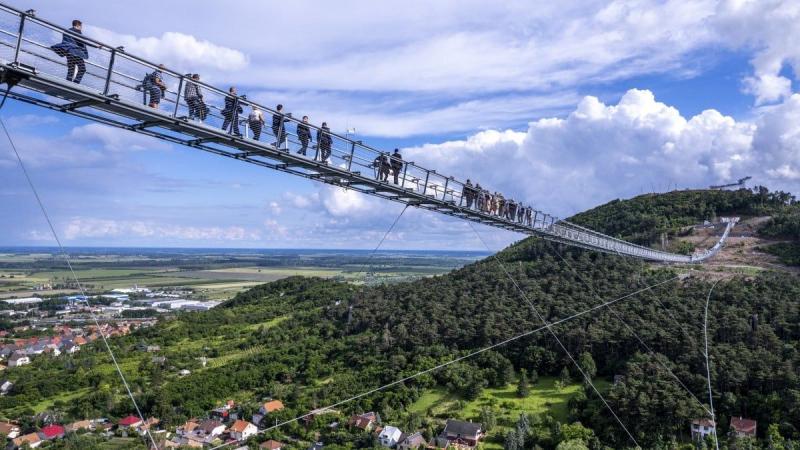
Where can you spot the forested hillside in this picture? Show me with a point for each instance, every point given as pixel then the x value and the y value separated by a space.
pixel 311 343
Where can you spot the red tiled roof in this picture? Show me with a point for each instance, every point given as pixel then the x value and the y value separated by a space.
pixel 740 425
pixel 274 405
pixel 53 431
pixel 129 421
pixel 239 426
pixel 271 445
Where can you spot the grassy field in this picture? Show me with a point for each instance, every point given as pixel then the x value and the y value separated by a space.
pixel 63 396
pixel 544 398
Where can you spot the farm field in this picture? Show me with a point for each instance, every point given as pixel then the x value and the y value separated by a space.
pixel 210 275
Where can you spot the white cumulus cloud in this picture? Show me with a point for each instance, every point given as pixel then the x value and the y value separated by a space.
pixel 600 152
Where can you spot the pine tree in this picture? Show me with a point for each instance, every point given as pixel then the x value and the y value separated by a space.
pixel 564 377
pixel 511 442
pixel 523 389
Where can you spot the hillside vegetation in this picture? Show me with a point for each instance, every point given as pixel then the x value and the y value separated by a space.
pixel 312 342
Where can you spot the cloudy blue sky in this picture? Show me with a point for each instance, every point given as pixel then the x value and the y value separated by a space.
pixel 564 104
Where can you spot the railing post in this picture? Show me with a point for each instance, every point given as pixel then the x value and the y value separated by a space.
pixel 110 71
pixel 19 37
pixel 352 154
pixel 444 195
pixel 178 98
pixel 405 169
pixel 425 186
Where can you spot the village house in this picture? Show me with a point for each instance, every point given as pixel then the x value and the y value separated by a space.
pixel 79 425
pixel 129 422
pixel 242 430
pixel 412 441
pixel 210 428
pixel 267 408
pixel 51 432
pixel 272 445
pixel 10 430
pixel 458 433
pixel 390 436
pixel 17 360
pixel 31 439
pixel 364 422
pixel 225 412
pixel 701 428
pixel 741 427
pixel 187 428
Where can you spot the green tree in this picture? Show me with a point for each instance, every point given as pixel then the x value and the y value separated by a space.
pixel 564 376
pixel 774 439
pixel 586 362
pixel 572 444
pixel 523 389
pixel 511 441
pixel 488 418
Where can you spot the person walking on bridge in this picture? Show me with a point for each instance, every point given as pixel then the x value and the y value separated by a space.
pixel 279 120
pixel 467 193
pixel 194 99
pixel 74 49
pixel 256 122
pixel 397 165
pixel 324 143
pixel 231 112
pixel 153 85
pixel 382 166
pixel 304 135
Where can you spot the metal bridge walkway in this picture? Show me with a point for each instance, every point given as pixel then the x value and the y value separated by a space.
pixel 110 94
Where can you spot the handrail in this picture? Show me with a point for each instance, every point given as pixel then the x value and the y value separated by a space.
pixel 437 192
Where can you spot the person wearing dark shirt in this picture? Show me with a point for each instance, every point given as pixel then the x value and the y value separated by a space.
pixel 231 112
pixel 396 165
pixel 304 135
pixel 153 84
pixel 467 193
pixel 74 49
pixel 279 126
pixel 324 143
pixel 194 99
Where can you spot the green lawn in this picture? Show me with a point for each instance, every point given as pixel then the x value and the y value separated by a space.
pixel 543 398
pixel 269 324
pixel 63 396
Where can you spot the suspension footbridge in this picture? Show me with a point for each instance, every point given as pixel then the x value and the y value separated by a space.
pixel 110 93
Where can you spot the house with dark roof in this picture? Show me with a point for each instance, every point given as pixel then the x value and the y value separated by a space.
pixel 18 359
pixel 458 433
pixel 741 427
pixel 412 441
pixel 209 428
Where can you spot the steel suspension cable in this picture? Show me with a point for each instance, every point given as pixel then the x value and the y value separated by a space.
pixel 708 366
pixel 629 328
pixel 65 255
pixel 549 328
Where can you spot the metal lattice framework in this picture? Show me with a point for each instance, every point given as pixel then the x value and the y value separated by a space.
pixel 114 91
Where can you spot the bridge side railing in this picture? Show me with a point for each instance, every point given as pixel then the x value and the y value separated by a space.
pixel 113 71
pixel 26 39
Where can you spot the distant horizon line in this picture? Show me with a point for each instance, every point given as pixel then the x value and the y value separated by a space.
pixel 110 247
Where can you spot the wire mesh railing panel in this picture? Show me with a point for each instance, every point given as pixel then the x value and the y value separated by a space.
pixel 9 26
